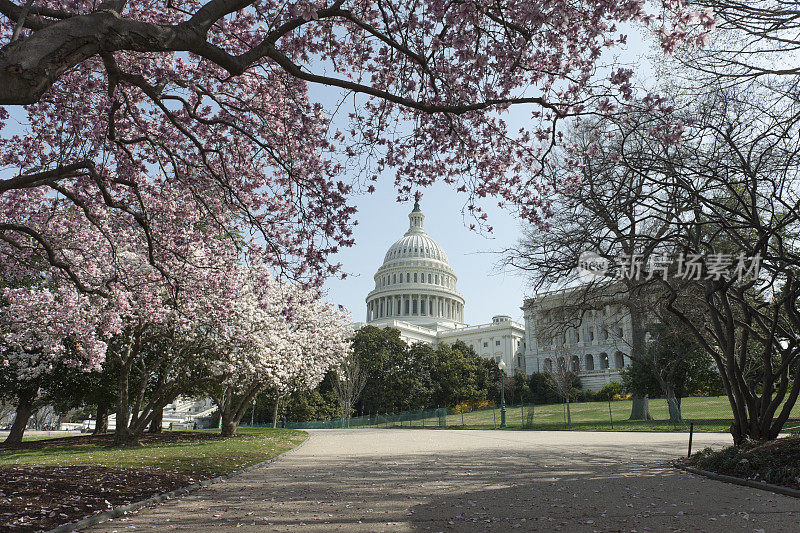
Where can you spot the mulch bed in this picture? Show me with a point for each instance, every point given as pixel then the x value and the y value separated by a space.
pixel 39 498
pixel 776 462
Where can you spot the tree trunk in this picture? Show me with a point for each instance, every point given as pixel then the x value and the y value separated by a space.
pixel 101 424
pixel 673 406
pixel 640 409
pixel 275 412
pixel 157 421
pixel 229 426
pixel 122 436
pixel 23 414
pixel 569 415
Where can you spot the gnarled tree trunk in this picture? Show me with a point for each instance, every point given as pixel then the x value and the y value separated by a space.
pixel 101 425
pixel 157 421
pixel 640 409
pixel 26 399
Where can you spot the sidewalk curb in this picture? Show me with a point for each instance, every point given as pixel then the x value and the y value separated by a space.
pixel 158 498
pixel 786 491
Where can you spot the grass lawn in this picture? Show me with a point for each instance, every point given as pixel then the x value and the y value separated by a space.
pixel 216 456
pixel 707 414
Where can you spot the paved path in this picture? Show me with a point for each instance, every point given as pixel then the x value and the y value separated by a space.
pixel 429 480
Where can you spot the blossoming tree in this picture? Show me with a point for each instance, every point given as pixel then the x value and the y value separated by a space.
pixel 212 98
pixel 280 337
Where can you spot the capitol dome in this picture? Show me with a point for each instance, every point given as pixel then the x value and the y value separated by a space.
pixel 416 283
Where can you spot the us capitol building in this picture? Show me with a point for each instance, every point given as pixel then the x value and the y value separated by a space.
pixel 415 292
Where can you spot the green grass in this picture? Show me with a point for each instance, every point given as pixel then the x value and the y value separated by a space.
pixel 708 414
pixel 218 456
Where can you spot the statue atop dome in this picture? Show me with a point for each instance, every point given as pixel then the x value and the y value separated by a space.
pixel 415 217
pixel 417 196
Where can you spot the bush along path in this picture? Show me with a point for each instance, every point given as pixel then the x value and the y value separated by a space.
pixel 774 462
pixel 57 481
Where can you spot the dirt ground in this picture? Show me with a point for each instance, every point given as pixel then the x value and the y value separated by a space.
pixel 40 498
pixel 423 480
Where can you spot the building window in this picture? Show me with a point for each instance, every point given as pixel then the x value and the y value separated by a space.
pixel 415 307
pixel 429 280
pixel 497 343
pixel 485 344
pixel 436 278
pixel 394 278
pixel 408 277
pixel 407 304
pixel 415 277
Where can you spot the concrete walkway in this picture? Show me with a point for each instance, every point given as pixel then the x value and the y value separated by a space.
pixel 429 480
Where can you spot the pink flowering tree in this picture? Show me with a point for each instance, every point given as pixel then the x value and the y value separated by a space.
pixel 40 327
pixel 123 100
pixel 279 337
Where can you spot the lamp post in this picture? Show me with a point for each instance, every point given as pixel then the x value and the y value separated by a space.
pixel 502 365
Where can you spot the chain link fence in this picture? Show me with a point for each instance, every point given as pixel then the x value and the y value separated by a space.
pixel 706 413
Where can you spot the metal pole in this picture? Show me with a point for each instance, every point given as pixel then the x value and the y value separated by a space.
pixel 691 432
pixel 502 401
pixel 253 412
pixel 610 416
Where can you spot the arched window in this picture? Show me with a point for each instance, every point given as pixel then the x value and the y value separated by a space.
pixel 619 360
pixel 548 365
pixel 603 361
pixel 576 363
pixel 408 277
pixel 589 362
pixel 415 277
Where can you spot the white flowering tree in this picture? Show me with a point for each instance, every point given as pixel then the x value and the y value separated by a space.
pixel 280 337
